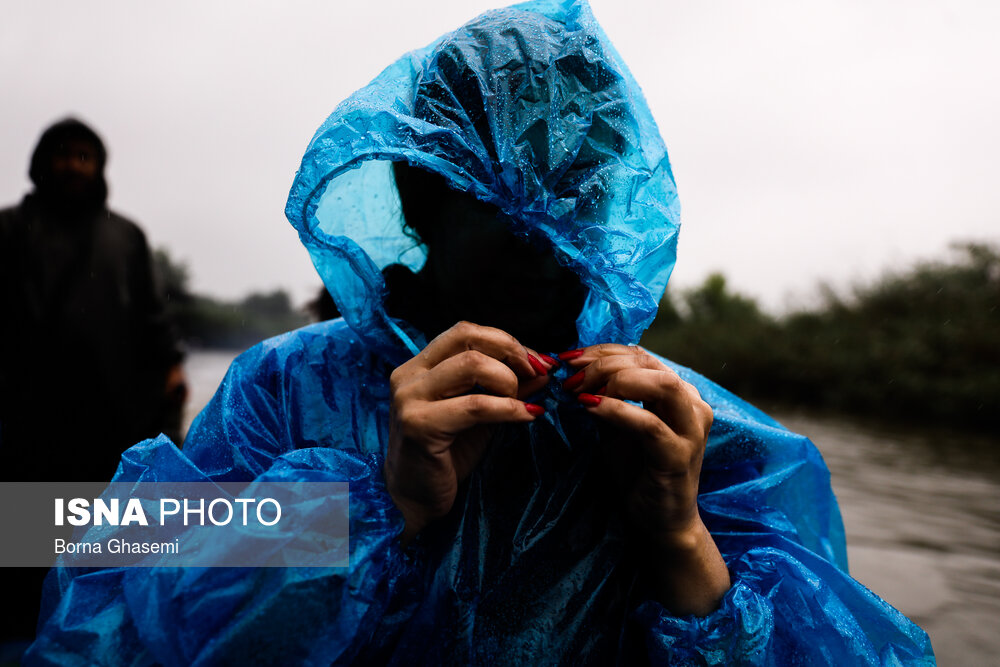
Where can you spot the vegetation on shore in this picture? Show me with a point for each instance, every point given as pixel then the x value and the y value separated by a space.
pixel 920 345
pixel 205 321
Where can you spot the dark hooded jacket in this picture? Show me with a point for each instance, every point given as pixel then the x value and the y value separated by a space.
pixel 84 340
pixel 529 109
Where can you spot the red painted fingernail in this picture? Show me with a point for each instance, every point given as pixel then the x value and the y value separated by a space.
pixel 534 410
pixel 549 360
pixel 603 390
pixel 537 365
pixel 573 381
pixel 572 354
pixel 589 400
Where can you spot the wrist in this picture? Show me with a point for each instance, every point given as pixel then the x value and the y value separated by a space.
pixel 680 542
pixel 686 570
pixel 413 519
pixel 412 525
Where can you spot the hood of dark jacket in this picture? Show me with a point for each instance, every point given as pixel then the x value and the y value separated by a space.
pixel 49 191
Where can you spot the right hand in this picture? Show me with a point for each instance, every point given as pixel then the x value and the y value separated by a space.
pixel 438 430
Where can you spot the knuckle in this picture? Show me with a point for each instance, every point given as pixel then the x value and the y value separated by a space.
pixel 707 414
pixel 658 429
pixel 508 384
pixel 649 361
pixel 606 367
pixel 405 414
pixel 477 405
pixel 607 349
pixel 409 419
pixel 399 399
pixel 671 382
pixel 473 361
pixel 696 448
pixel 465 329
pixel 397 378
pixel 505 342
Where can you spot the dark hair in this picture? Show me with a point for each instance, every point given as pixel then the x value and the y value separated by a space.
pixel 434 212
pixel 419 193
pixel 55 137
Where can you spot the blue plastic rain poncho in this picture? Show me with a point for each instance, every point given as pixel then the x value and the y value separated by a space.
pixel 530 109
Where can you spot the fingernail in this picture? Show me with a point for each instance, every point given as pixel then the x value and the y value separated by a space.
pixel 537 365
pixel 573 381
pixel 603 390
pixel 534 410
pixel 572 354
pixel 589 400
pixel 549 360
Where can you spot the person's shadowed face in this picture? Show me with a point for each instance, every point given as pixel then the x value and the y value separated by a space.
pixel 478 270
pixel 75 168
pixel 67 168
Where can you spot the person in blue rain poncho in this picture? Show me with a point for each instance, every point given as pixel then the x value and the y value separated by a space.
pixel 500 194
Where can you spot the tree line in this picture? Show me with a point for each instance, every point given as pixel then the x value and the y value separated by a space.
pixel 921 344
pixel 205 321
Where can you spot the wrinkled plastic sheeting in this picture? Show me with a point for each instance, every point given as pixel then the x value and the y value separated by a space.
pixel 530 567
pixel 528 108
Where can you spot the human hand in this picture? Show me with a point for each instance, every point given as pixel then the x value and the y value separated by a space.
pixel 438 430
pixel 658 449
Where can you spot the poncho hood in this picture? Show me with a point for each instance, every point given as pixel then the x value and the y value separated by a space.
pixel 528 108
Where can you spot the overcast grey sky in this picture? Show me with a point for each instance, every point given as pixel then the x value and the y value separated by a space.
pixel 811 140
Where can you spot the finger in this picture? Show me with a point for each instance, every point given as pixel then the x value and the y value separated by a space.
pixel 461 374
pixel 588 355
pixel 665 394
pixel 490 341
pixel 545 363
pixel 551 363
pixel 663 448
pixel 597 373
pixel 464 336
pixel 527 388
pixel 453 415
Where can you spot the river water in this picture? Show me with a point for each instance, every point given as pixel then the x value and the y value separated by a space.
pixel 921 509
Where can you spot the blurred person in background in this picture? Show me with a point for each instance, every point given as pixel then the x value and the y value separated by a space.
pixel 89 363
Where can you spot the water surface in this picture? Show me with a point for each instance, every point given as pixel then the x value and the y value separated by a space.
pixel 921 509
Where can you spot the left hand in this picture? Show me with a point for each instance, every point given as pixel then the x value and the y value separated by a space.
pixel 667 439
